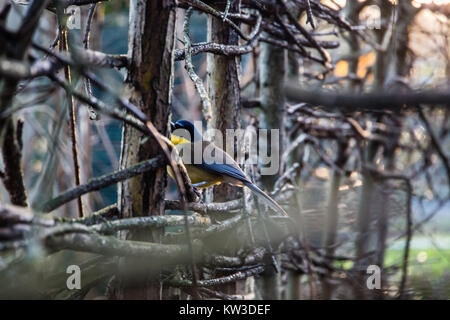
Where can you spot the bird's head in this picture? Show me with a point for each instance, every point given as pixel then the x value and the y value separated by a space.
pixel 185 132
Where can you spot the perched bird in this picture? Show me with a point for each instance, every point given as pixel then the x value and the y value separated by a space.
pixel 208 171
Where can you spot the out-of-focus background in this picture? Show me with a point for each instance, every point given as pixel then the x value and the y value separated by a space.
pixel 47 157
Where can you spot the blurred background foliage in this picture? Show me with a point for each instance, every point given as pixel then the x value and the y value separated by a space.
pixel 47 157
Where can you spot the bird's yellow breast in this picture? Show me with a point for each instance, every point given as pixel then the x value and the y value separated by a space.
pixel 202 178
pixel 178 140
pixel 197 175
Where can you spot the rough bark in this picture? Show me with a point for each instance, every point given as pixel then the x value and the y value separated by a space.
pixel 149 84
pixel 223 88
pixel 224 92
pixel 12 156
pixel 16 49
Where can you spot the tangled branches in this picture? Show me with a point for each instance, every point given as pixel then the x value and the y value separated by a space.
pixel 374 142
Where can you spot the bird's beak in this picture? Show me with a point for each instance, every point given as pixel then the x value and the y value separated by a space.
pixel 172 126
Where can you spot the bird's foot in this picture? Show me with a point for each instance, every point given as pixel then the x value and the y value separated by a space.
pixel 275 264
pixel 214 220
pixel 198 193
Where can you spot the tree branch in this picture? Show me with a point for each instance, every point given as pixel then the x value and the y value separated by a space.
pixel 205 208
pixel 217 281
pixel 375 101
pixel 101 182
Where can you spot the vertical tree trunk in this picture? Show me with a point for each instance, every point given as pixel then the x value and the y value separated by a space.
pixel 15 48
pixel 149 84
pixel 332 216
pixel 369 205
pixel 384 59
pixel 272 66
pixel 353 9
pixel 385 192
pixel 224 92
pixel 404 57
pixel 294 278
pixel 363 222
pixel 401 66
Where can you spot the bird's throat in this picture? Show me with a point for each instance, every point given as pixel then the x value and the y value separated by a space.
pixel 178 140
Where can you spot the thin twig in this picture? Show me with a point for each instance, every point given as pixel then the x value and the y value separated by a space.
pixel 325 55
pixel 309 14
pixel 435 143
pixel 208 9
pixel 92 114
pixel 206 102
pixel 64 46
pixel 408 239
pixel 217 281
pixel 205 208
pixel 227 9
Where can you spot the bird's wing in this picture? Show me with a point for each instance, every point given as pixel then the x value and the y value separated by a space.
pixel 217 161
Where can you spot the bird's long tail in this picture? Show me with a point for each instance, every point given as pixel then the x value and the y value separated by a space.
pixel 272 203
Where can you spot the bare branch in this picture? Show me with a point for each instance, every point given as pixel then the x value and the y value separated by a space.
pixel 435 142
pixel 101 182
pixel 205 208
pixel 217 281
pixel 206 103
pixel 375 101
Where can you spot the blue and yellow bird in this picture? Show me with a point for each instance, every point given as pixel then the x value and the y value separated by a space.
pixel 208 171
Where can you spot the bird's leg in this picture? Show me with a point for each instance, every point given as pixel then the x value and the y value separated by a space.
pixel 275 263
pixel 198 193
pixel 214 220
